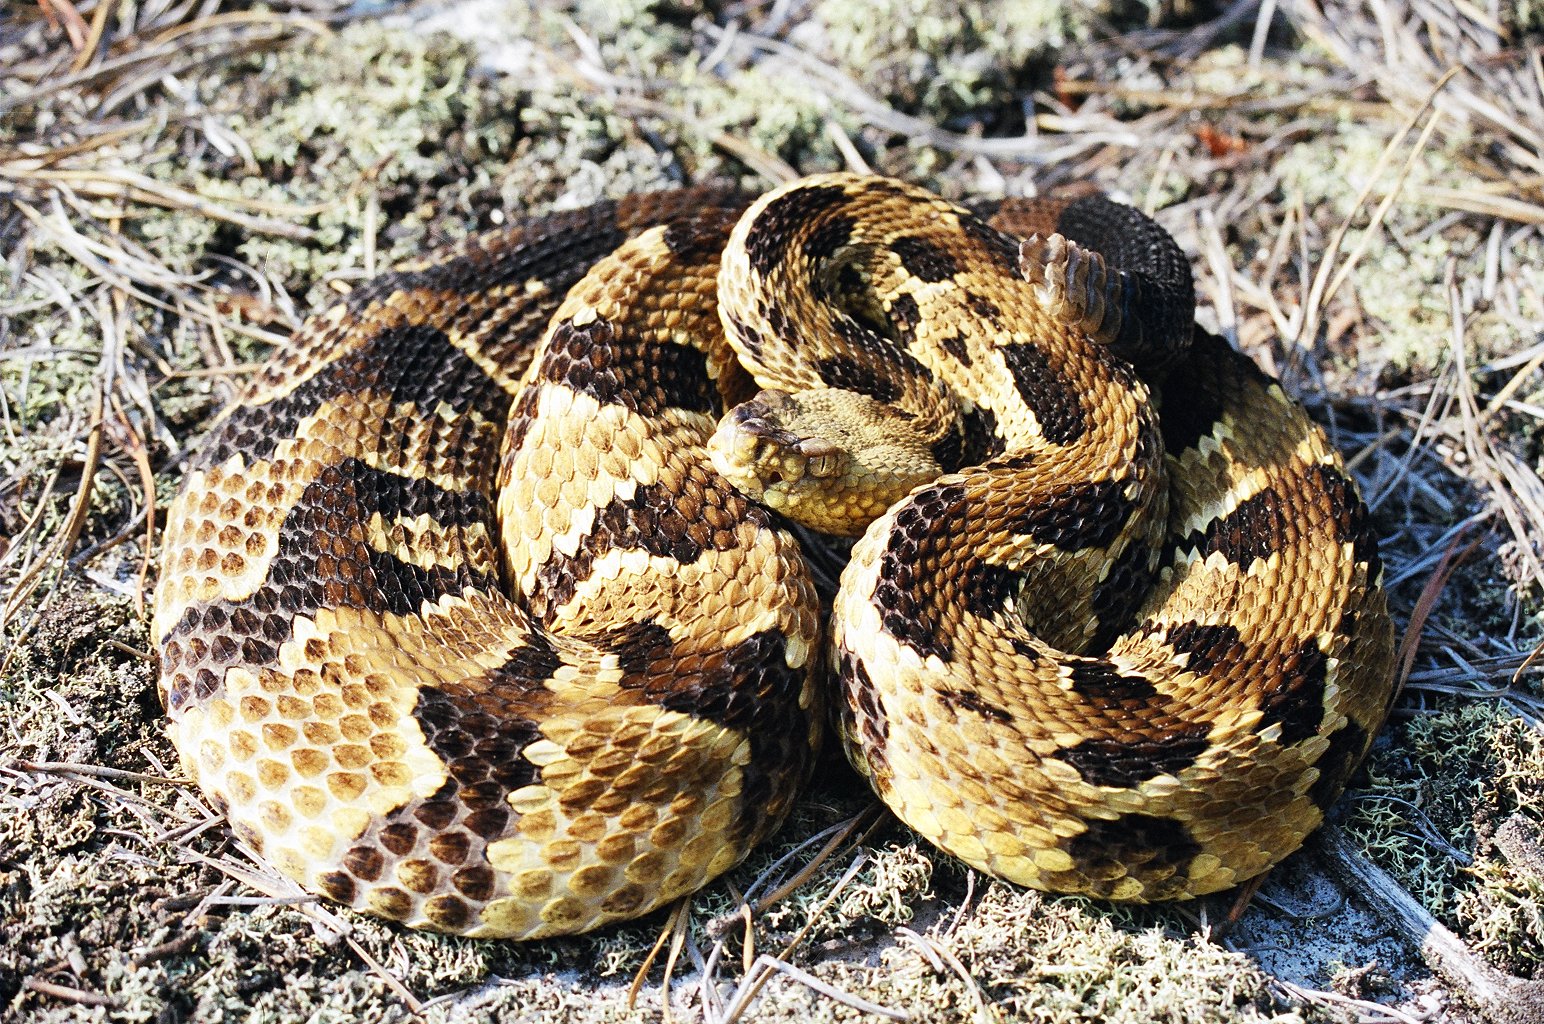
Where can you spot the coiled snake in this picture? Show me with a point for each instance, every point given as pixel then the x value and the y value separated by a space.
pixel 473 613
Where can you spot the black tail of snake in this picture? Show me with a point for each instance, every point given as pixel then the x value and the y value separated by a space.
pixel 479 610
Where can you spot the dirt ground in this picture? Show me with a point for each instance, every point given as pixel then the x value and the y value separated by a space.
pixel 1361 189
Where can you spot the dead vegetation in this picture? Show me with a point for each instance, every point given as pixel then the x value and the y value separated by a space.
pixel 1361 185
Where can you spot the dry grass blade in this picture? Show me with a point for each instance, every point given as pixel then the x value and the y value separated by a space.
pixel 1515 490
pixel 192 164
pixel 63 541
pixel 772 965
pixel 641 975
pixel 139 277
pixel 680 919
pixel 1324 285
pixel 414 1005
pixel 1481 202
pixel 803 875
pixel 129 439
pixel 130 186
pixel 225 37
pixel 93 39
pixel 942 958
pixel 1452 557
pixel 765 965
pixel 765 164
pixel 1511 387
pixel 63 12
pixel 752 980
pixel 1527 662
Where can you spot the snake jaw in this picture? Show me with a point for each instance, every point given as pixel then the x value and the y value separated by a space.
pixel 762 458
pixel 829 459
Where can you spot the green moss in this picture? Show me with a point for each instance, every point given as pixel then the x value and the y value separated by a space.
pixel 776 115
pixel 1038 959
pixel 1327 174
pixel 636 37
pixel 55 347
pixel 323 128
pixel 1476 766
pixel 399 123
pixel 1524 15
pixel 945 58
pixel 894 884
pixel 1504 911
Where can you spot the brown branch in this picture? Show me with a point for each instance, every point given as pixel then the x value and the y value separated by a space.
pixel 1504 998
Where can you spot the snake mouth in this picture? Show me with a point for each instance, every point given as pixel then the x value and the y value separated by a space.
pixel 754 450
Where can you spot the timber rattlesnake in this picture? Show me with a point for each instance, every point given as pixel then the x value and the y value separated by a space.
pixel 1093 642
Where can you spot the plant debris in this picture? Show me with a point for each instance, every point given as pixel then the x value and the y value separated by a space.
pixel 1358 181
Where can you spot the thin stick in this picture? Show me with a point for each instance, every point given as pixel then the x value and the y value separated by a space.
pixel 830 991
pixel 1505 999
pixel 69 994
pixel 96 771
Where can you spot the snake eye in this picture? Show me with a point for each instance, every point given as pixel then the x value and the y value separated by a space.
pixel 823 459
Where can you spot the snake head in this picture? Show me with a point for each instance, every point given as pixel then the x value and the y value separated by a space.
pixel 825 458
pixel 755 449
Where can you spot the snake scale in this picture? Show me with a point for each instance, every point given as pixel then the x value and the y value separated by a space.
pixel 480 610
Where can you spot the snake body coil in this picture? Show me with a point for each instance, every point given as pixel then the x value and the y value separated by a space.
pixel 468 617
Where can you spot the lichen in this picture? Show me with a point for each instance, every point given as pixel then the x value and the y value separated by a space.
pixel 947 58
pixel 1477 766
pixel 384 126
pixel 1038 959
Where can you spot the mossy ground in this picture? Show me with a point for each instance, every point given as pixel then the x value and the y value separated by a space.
pixel 206 177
